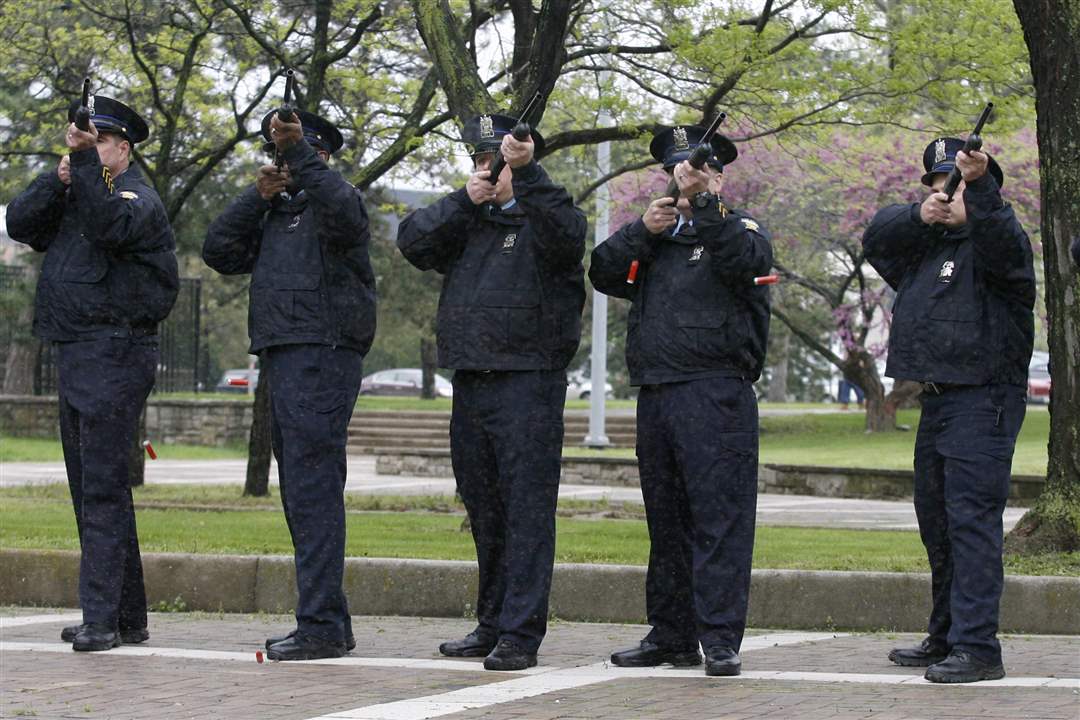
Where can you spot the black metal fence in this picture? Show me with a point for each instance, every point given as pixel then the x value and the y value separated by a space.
pixel 179 370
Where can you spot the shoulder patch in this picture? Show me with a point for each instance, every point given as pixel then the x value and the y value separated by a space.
pixel 751 225
pixel 128 195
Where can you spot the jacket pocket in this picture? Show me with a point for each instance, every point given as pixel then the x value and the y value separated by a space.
pixel 704 335
pixel 508 320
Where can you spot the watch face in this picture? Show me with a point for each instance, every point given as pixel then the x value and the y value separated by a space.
pixel 701 200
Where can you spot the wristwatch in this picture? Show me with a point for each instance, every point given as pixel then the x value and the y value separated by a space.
pixel 702 199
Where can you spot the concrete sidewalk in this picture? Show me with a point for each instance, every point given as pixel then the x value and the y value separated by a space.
pixel 204 666
pixel 791 510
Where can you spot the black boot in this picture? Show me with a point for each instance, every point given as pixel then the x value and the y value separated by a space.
pixel 301 646
pixel 925 654
pixel 649 654
pixel 721 661
pixel 475 644
pixel 508 655
pixel 94 637
pixel 350 641
pixel 962 667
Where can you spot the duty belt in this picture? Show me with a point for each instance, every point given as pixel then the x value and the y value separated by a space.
pixel 941 388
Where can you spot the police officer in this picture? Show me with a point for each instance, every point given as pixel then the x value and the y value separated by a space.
pixel 302 232
pixel 963 326
pixel 109 277
pixel 509 321
pixel 696 342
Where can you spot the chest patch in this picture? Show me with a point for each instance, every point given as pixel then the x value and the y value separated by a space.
pixel 508 242
pixel 294 224
pixel 945 275
pixel 695 255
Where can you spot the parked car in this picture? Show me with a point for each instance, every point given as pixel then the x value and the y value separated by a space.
pixel 238 380
pixel 1039 378
pixel 579 387
pixel 404 382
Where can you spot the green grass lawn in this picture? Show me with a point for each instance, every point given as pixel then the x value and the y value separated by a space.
pixel 839 440
pixel 835 439
pixel 42 518
pixel 43 450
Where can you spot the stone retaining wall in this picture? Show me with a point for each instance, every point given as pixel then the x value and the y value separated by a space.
pixel 870 484
pixel 795 599
pixel 169 422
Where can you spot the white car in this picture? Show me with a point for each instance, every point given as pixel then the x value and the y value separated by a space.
pixel 579 387
pixel 405 382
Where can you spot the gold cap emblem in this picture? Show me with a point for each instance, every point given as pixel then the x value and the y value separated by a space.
pixel 679 135
pixel 487 128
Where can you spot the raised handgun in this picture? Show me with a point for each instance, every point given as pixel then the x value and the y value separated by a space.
pixel 520 132
pixel 82 115
pixel 285 113
pixel 699 156
pixel 973 142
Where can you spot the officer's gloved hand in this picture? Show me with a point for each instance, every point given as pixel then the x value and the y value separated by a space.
pixel 272 181
pixel 661 214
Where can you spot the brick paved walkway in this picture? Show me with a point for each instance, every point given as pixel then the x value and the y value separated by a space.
pixel 200 665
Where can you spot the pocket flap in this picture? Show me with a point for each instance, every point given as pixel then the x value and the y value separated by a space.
pixel 91 273
pixel 295 281
pixel 701 318
pixel 509 298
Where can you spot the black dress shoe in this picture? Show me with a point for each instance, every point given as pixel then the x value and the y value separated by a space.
pixel 350 641
pixel 475 644
pixel 961 667
pixel 649 654
pixel 927 653
pixel 508 655
pixel 93 637
pixel 721 661
pixel 301 646
pixel 128 636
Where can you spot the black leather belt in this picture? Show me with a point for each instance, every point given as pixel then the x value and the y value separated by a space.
pixel 941 388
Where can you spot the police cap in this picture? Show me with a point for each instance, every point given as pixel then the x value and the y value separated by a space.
pixel 940 157
pixel 113 116
pixel 673 145
pixel 319 132
pixel 484 134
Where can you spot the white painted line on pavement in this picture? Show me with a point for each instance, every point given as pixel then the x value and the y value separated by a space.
pixel 249 656
pixel 433 706
pixel 10 621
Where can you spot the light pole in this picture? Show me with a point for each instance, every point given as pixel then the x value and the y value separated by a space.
pixel 598 396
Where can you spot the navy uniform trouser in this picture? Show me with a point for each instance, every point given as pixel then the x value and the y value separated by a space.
pixel 963 458
pixel 103 386
pixel 506 434
pixel 313 390
pixel 697 448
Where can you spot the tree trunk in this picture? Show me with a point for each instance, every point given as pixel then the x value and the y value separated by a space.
pixel 861 370
pixel 1050 30
pixel 19 368
pixel 428 362
pixel 778 380
pixel 259 446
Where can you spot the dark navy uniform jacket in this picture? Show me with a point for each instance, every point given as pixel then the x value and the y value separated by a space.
pixel 110 257
pixel 696 312
pixel 312 280
pixel 963 310
pixel 515 285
